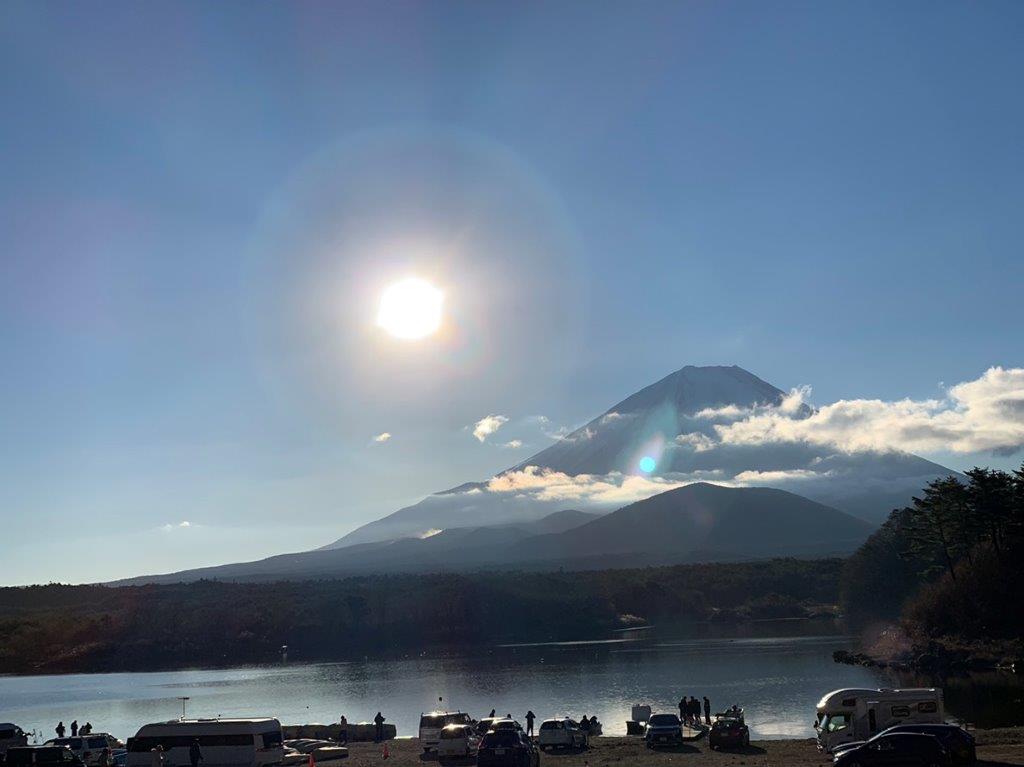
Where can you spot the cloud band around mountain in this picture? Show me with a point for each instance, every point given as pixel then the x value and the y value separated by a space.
pixel 983 415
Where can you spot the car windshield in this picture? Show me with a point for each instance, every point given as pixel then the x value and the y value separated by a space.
pixel 500 739
pixel 664 720
pixel 431 721
pixel 552 725
pixel 458 731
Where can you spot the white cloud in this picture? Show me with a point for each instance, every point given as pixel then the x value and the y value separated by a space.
pixel 610 489
pixel 487 425
pixel 772 477
pixel 696 440
pixel 514 444
pixel 384 436
pixel 986 414
pixel 183 525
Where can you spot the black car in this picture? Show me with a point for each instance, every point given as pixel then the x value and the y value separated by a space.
pixel 959 743
pixel 663 730
pixel 729 732
pixel 899 749
pixel 48 756
pixel 507 748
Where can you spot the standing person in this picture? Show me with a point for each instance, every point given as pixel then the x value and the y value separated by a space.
pixel 156 756
pixel 59 729
pixel 343 730
pixel 682 709
pixel 707 710
pixel 530 716
pixel 379 732
pixel 74 728
pixel 195 753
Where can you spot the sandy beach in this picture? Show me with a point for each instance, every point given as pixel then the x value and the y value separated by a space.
pixel 995 747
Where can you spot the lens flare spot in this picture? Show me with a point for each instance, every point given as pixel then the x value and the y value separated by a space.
pixel 647 464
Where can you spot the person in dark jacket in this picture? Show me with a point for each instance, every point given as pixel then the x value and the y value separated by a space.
pixel 379 722
pixel 59 729
pixel 707 710
pixel 682 709
pixel 530 716
pixel 74 728
pixel 195 753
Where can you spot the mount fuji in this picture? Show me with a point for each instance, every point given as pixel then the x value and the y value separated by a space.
pixel 669 425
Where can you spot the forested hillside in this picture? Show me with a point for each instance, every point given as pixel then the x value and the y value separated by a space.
pixel 91 628
pixel 948 570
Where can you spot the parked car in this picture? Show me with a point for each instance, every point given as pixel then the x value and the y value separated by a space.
pixel 48 756
pixel 959 743
pixel 663 730
pixel 906 749
pixel 93 749
pixel 457 741
pixel 11 736
pixel 507 747
pixel 729 732
pixel 561 733
pixel 431 725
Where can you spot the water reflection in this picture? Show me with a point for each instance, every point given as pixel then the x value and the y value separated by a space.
pixel 777 679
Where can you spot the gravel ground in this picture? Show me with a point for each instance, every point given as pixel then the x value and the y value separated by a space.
pixel 995 747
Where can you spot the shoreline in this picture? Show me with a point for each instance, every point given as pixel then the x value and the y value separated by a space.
pixel 996 748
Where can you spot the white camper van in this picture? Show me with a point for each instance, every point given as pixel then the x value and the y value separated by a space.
pixel 858 714
pixel 223 742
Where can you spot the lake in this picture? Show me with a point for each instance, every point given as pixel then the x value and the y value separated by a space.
pixel 777 679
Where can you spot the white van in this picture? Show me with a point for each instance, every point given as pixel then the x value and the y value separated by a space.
pixel 431 725
pixel 224 742
pixel 11 736
pixel 856 714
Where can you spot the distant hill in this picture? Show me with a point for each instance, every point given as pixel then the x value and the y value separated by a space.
pixel 674 419
pixel 714 521
pixel 698 522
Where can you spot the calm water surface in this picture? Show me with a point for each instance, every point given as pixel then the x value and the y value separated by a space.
pixel 777 680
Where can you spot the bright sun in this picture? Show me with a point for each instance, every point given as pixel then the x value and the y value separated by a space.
pixel 410 309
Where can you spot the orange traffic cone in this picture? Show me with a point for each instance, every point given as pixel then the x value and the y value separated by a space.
pixel 385 753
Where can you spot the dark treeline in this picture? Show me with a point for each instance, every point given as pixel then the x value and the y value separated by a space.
pixel 949 565
pixel 208 623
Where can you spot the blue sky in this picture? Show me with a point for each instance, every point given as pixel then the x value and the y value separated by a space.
pixel 202 202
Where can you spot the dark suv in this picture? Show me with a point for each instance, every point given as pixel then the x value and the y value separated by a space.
pixel 959 743
pixel 507 748
pixel 663 730
pixel 899 749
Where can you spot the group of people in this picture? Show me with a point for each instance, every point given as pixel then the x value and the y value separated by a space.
pixel 85 729
pixel 690 708
pixel 588 725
